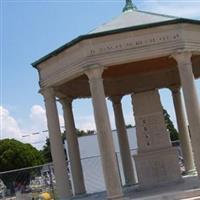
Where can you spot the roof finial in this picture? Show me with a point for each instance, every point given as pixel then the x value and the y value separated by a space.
pixel 129 6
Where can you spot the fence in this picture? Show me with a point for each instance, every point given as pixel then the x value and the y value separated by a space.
pixel 30 183
pixel 27 183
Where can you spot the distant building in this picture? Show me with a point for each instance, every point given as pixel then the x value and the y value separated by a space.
pixel 89 144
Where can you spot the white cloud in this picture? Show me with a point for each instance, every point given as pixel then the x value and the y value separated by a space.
pixel 37 123
pixel 180 8
pixel 38 118
pixel 129 118
pixel 85 123
pixel 9 127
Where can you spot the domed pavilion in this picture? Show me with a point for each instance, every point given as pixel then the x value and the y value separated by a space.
pixel 134 54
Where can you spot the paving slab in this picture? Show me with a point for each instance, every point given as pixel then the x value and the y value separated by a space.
pixel 189 189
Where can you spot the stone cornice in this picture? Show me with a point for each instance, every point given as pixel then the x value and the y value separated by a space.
pixel 118 49
pixel 89 36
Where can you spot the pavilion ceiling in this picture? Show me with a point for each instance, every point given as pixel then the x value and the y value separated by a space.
pixel 131 77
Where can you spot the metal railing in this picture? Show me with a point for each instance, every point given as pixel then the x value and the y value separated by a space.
pixel 27 183
pixel 32 182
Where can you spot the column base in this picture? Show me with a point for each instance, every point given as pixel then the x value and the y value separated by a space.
pixel 190 172
pixel 157 167
pixel 68 198
pixel 126 185
pixel 81 195
pixel 116 197
pixel 121 198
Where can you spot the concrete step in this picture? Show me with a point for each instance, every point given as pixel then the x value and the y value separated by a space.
pixel 193 194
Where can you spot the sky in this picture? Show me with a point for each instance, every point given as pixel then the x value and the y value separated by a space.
pixel 31 29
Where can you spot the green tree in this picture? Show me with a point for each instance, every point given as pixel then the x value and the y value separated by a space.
pixel 46 152
pixel 15 155
pixel 81 133
pixel 170 126
pixel 85 133
pixel 129 126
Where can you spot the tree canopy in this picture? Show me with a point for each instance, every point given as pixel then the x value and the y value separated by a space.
pixel 46 151
pixel 129 126
pixel 170 126
pixel 15 155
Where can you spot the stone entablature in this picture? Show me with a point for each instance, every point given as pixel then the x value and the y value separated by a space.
pixel 116 49
pixel 134 42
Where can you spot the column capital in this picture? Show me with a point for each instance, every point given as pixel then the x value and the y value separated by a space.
pixel 48 93
pixel 116 99
pixel 175 89
pixel 95 72
pixel 66 100
pixel 182 57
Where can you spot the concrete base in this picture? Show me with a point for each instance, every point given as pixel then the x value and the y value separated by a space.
pixel 189 189
pixel 183 195
pixel 157 167
pixel 117 198
pixel 66 198
pixel 190 173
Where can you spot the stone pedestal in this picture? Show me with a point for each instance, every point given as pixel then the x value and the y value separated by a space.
pixel 156 162
pixel 157 167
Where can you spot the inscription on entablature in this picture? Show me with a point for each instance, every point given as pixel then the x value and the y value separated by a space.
pixel 137 42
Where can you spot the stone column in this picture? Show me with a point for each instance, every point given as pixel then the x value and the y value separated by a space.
pixel 57 149
pixel 123 141
pixel 183 131
pixel 73 146
pixel 104 134
pixel 191 101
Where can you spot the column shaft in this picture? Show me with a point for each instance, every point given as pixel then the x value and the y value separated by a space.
pixel 183 131
pixel 123 142
pixel 191 102
pixel 57 148
pixel 104 134
pixel 73 147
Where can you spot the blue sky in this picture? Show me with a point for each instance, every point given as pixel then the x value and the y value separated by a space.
pixel 31 29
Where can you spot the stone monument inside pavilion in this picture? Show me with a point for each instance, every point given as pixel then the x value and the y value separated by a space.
pixel 157 162
pixel 134 54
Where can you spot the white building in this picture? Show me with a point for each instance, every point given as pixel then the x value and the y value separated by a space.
pixel 91 163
